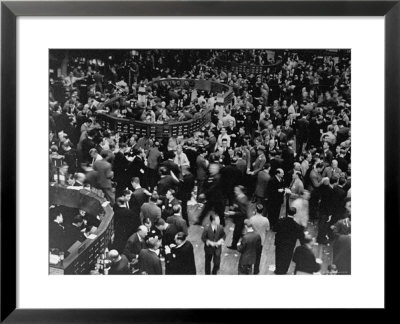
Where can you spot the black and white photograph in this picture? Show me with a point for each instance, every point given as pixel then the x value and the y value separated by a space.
pixel 199 161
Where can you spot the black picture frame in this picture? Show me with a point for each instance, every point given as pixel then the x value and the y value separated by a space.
pixel 11 10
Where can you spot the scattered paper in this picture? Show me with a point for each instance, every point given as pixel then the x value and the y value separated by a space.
pixel 104 204
pixel 236 255
pixel 271 267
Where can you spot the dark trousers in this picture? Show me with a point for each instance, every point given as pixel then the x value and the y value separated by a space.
pixel 200 186
pixel 245 269
pixel 217 206
pixel 238 231
pixel 274 210
pixel 283 257
pixel 216 258
pixel 184 210
pixel 152 178
pixel 314 205
pixel 323 228
pixel 258 259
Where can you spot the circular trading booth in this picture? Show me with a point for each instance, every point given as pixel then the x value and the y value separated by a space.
pixel 176 128
pixel 81 257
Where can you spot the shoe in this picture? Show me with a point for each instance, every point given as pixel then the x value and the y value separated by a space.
pixel 232 247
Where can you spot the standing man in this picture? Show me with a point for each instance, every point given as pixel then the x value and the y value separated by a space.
pixel 213 237
pixel 181 257
pixel 136 243
pixel 287 234
pixel 275 193
pixel 149 261
pixel 104 176
pixel 185 191
pixel 306 263
pixel 239 214
pixel 261 226
pixel 202 167
pixel 249 247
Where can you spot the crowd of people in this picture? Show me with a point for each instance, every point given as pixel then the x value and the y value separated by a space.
pixel 277 159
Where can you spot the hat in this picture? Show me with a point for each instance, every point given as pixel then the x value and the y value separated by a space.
pixel 292 211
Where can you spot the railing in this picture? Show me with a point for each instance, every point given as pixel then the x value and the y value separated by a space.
pixel 248 68
pixel 170 129
pixel 82 256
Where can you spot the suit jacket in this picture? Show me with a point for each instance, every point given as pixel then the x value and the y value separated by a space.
pixel 208 234
pixel 133 246
pixel 288 232
pixel 104 173
pixel 153 158
pixel 305 260
pixel 150 210
pixel 166 183
pixel 263 179
pixel 186 187
pixel 201 168
pixel 179 222
pixel 259 163
pixel 272 190
pixel 172 166
pixel 149 262
pixel 57 236
pixel 181 260
pixel 250 244
pixel 302 128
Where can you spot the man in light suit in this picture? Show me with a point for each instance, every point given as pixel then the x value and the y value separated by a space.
pixel 249 246
pixel 213 237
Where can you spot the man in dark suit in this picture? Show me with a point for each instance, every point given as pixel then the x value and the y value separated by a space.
pixel 305 260
pixel 170 164
pixel 150 209
pixel 261 193
pixel 202 170
pixel 167 181
pixel 177 219
pixel 120 168
pixel 275 193
pixel 119 265
pixel 249 246
pixel 139 196
pixel 125 223
pixel 57 230
pixel 75 232
pixel 149 261
pixel 104 176
pixel 302 133
pixel 185 191
pixel 213 237
pixel 136 243
pixel 180 258
pixel 168 203
pixel 287 234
